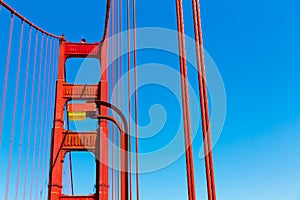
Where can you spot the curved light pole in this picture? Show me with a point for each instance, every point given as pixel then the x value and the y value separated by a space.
pixel 124 142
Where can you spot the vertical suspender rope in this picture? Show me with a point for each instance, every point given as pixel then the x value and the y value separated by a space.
pixel 204 104
pixel 47 121
pixel 113 164
pixel 118 178
pixel 119 30
pixel 122 102
pixel 54 77
pixel 117 94
pixel 115 169
pixel 51 108
pixel 36 118
pixel 30 116
pixel 128 99
pixel 6 75
pixel 12 135
pixel 135 102
pixel 112 84
pixel 185 102
pixel 23 113
pixel 121 50
pixel 43 116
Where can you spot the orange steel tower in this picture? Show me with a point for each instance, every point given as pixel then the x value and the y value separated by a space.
pixel 64 141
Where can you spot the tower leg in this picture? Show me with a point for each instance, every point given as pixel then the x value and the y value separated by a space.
pixel 56 157
pixel 102 182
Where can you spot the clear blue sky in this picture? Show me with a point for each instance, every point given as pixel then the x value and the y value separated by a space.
pixel 255 45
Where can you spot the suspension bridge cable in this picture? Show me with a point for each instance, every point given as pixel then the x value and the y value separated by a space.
pixel 23 113
pixel 45 131
pixel 51 108
pixel 117 139
pixel 183 95
pixel 128 98
pixel 45 112
pixel 15 103
pixel 53 94
pixel 42 121
pixel 6 75
pixel 104 37
pixel 54 84
pixel 43 118
pixel 13 11
pixel 112 27
pixel 47 123
pixel 30 115
pixel 121 67
pixel 203 99
pixel 118 96
pixel 36 117
pixel 185 101
pixel 135 101
pixel 121 48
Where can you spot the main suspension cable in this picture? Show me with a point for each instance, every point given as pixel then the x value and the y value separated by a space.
pixel 14 12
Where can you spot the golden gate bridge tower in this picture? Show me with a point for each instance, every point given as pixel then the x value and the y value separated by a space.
pixel 64 141
pixel 95 104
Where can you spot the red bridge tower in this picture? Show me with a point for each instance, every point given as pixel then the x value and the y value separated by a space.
pixel 64 141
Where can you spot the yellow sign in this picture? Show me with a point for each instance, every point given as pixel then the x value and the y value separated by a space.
pixel 77 116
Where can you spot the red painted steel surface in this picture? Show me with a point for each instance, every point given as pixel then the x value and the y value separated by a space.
pixel 63 141
pixel 79 141
pixel 80 92
pixel 82 50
